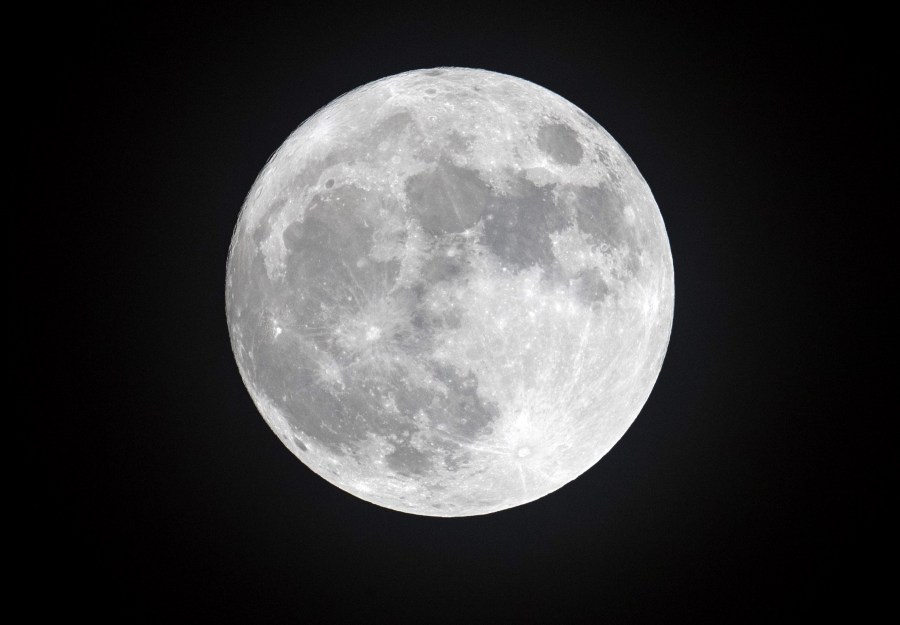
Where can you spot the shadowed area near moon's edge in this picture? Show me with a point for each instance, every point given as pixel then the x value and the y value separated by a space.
pixel 344 318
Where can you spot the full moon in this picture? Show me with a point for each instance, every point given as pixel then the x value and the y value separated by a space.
pixel 449 292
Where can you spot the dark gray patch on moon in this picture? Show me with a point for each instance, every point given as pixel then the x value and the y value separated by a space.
pixel 389 130
pixel 447 199
pixel 447 262
pixel 591 286
pixel 426 320
pixel 458 416
pixel 407 460
pixel 290 383
pixel 600 212
pixel 330 246
pixel 459 143
pixel 311 173
pixel 387 408
pixel 461 411
pixel 517 226
pixel 560 143
pixel 312 250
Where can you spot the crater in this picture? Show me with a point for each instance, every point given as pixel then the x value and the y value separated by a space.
pixel 560 143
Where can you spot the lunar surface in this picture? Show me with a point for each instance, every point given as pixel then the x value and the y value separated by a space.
pixel 449 292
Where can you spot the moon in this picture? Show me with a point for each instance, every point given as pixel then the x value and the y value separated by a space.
pixel 449 292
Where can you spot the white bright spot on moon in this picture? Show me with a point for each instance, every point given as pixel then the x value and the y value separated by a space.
pixel 373 333
pixel 473 291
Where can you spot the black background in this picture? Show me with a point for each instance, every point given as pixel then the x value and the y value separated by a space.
pixel 741 492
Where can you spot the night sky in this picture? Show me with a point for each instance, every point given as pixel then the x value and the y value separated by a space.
pixel 155 492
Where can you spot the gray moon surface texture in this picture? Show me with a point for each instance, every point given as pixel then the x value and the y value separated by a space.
pixel 450 292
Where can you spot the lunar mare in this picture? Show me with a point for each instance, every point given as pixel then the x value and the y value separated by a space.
pixel 449 292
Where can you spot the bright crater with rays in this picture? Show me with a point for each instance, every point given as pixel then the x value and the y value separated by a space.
pixel 450 292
